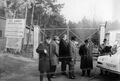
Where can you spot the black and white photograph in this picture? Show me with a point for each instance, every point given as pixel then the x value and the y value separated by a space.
pixel 59 40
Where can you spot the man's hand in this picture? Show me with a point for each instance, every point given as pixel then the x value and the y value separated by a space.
pixel 72 59
pixel 45 51
pixel 110 54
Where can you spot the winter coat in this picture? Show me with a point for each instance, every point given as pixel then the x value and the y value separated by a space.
pixel 86 57
pixel 64 52
pixel 73 51
pixel 54 53
pixel 44 58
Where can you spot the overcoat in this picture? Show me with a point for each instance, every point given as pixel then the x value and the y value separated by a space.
pixel 54 53
pixel 73 51
pixel 44 58
pixel 64 51
pixel 86 57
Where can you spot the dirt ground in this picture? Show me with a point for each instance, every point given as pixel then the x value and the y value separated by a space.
pixel 17 68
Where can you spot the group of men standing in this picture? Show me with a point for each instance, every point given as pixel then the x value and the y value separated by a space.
pixel 51 52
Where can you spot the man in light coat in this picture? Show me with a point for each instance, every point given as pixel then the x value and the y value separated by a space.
pixel 73 52
pixel 54 55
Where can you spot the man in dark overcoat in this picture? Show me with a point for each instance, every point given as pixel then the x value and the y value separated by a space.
pixel 44 58
pixel 85 52
pixel 64 53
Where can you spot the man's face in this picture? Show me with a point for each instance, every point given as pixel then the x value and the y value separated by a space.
pixel 48 41
pixel 87 44
pixel 57 41
pixel 65 37
pixel 105 42
pixel 76 43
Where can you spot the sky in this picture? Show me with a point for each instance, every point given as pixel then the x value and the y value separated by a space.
pixel 75 10
pixel 116 10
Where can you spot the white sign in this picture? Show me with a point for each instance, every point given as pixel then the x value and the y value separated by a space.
pixel 36 41
pixel 102 34
pixel 14 43
pixel 15 28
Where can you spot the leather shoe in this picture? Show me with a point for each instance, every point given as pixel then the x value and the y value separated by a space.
pixel 83 75
pixel 88 75
pixel 53 76
pixel 64 74
pixel 72 77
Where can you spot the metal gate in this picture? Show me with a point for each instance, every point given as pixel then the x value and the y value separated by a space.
pixel 80 33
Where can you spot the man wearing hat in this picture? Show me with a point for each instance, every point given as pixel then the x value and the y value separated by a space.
pixel 102 46
pixel 44 51
pixel 85 51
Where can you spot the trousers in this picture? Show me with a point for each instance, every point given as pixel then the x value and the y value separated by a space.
pixel 71 66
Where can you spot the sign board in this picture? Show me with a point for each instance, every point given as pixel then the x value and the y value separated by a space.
pixel 15 28
pixel 14 43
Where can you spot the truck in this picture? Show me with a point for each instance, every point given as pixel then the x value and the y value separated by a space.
pixel 110 62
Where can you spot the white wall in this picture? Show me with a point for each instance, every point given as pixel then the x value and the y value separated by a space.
pixel 36 41
pixel 102 33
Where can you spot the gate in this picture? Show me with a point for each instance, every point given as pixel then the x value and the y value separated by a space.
pixel 80 33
